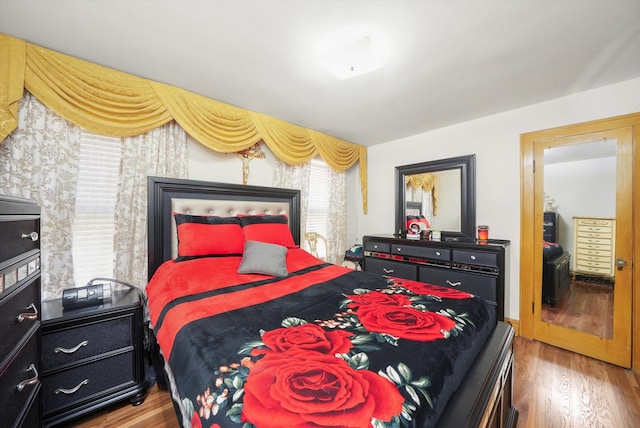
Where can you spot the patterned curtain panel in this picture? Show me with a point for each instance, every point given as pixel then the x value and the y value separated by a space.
pixel 159 152
pixel 39 161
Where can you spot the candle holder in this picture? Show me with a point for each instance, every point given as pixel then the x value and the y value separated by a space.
pixel 483 233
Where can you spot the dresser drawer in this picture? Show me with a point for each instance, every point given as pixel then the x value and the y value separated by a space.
pixel 24 300
pixel 594 249
pixel 584 257
pixel 591 264
pixel 594 222
pixel 16 237
pixel 482 286
pixel 21 370
pixel 590 240
pixel 391 268
pixel 430 253
pixel 378 247
pixel 70 387
pixel 33 410
pixel 602 271
pixel 70 345
pixel 595 235
pixel 475 258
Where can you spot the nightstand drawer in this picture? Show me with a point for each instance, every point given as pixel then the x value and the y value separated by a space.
pixel 75 344
pixel 70 387
pixel 25 301
pixel 24 369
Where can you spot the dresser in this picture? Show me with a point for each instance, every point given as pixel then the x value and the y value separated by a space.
pixel 20 372
pixel 92 357
pixel 550 225
pixel 594 246
pixel 477 267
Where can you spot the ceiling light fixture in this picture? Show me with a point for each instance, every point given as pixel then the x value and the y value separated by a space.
pixel 350 54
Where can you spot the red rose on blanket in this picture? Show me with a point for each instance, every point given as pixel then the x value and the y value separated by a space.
pixel 306 337
pixel 312 390
pixel 375 297
pixel 404 322
pixel 436 290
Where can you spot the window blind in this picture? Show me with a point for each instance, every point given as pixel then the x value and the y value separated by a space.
pixel 318 210
pixel 94 223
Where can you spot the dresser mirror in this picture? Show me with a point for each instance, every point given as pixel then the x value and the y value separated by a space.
pixel 442 191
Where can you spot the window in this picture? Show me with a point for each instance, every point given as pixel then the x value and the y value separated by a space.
pixel 319 198
pixel 94 223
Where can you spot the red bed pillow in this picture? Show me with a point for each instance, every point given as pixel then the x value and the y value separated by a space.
pixel 200 236
pixel 273 229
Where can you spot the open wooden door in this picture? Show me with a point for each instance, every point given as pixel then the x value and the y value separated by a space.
pixel 593 314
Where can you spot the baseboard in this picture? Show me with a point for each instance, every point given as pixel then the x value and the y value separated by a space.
pixel 515 324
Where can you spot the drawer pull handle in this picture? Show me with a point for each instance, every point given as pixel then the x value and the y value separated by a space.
pixel 72 390
pixel 387 270
pixel 72 350
pixel 399 249
pixel 454 284
pixel 29 315
pixel 33 236
pixel 29 381
pixel 473 257
pixel 438 253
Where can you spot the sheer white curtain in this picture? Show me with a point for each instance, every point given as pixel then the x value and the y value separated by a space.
pixel 39 161
pixel 160 152
pixel 334 192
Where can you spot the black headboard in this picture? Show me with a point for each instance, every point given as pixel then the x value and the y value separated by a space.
pixel 162 190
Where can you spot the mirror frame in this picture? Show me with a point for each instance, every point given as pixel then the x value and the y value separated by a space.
pixel 467 166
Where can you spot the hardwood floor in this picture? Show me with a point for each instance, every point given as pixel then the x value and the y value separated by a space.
pixel 156 411
pixel 585 306
pixel 558 388
pixel 552 388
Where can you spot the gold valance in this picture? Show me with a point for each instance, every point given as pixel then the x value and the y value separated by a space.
pixel 427 182
pixel 118 104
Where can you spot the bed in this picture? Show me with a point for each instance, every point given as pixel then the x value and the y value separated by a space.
pixel 261 336
pixel 556 276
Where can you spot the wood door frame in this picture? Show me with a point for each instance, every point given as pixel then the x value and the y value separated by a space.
pixel 529 270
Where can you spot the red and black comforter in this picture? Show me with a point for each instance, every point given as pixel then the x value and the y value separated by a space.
pixel 323 347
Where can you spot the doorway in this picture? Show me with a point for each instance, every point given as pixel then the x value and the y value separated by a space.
pixel 577 238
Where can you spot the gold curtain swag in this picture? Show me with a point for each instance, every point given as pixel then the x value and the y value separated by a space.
pixel 426 181
pixel 118 104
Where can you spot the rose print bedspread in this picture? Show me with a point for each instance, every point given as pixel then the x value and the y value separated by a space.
pixel 323 347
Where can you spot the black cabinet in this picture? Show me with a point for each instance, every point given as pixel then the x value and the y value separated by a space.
pixel 20 384
pixel 550 224
pixel 477 267
pixel 91 357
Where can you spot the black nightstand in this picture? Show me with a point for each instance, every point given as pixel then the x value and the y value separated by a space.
pixel 91 357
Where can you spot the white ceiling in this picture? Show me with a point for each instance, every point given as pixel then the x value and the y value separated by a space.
pixel 449 61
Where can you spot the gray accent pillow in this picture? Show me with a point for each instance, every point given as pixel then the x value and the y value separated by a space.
pixel 264 258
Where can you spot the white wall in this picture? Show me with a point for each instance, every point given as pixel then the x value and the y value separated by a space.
pixel 496 142
pixel 584 188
